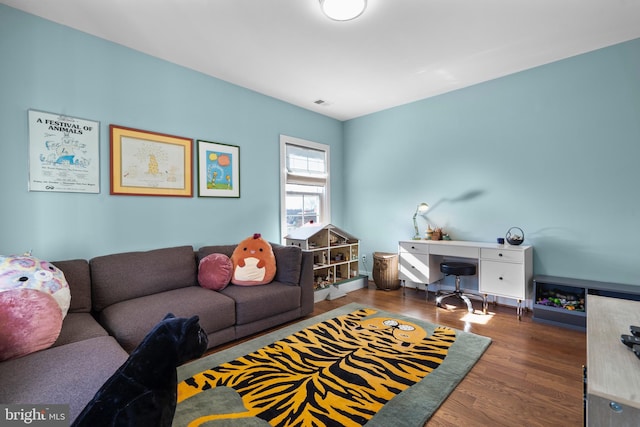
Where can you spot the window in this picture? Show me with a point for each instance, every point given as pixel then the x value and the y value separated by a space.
pixel 304 185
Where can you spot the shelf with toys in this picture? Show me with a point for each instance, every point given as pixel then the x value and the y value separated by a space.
pixel 561 301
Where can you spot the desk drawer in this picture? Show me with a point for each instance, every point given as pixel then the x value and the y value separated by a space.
pixel 454 250
pixel 414 267
pixel 503 279
pixel 414 248
pixel 502 255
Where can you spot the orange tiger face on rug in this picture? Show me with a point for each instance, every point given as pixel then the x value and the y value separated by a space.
pixel 339 371
pixel 407 333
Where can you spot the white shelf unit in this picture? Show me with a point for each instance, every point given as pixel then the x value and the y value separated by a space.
pixel 335 253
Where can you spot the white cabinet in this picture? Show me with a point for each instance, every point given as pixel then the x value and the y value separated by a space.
pixel 503 270
pixel 502 279
pixel 506 272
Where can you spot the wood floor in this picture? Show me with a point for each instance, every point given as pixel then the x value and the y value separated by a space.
pixel 531 374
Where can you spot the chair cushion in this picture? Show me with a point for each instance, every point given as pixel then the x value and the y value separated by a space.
pixel 458 268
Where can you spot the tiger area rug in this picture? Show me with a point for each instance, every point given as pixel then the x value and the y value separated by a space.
pixel 348 367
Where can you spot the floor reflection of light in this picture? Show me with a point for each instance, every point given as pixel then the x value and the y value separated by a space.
pixel 469 319
pixel 477 318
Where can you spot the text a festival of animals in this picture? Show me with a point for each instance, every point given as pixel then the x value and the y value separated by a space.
pixel 67 127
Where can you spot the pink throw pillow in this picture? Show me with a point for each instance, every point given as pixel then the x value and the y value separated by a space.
pixel 215 271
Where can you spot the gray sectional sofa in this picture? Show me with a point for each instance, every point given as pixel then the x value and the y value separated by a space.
pixel 117 299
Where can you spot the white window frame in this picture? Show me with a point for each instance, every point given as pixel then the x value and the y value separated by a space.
pixel 325 207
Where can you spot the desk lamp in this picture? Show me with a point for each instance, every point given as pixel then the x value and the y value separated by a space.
pixel 421 209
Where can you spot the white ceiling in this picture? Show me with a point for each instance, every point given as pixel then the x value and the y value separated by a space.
pixel 397 52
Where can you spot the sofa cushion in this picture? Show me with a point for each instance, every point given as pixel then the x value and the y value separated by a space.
pixel 288 264
pixel 69 374
pixel 216 249
pixel 259 302
pixel 214 271
pixel 129 321
pixel 125 276
pixel 79 279
pixel 78 327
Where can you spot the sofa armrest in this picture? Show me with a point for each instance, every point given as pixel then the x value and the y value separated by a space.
pixel 306 284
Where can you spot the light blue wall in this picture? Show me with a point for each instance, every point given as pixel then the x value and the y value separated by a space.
pixel 52 68
pixel 553 150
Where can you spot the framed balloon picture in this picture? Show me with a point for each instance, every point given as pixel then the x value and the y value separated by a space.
pixel 218 170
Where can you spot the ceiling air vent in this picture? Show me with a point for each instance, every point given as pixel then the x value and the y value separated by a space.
pixel 322 102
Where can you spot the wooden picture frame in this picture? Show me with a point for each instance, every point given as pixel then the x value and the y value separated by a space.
pixel 147 163
pixel 218 170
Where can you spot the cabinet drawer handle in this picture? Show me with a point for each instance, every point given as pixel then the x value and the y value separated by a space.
pixel 500 277
pixel 500 254
pixel 615 407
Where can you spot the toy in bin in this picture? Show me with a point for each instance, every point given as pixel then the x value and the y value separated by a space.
pixel 632 341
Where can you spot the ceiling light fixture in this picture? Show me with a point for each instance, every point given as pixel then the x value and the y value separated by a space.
pixel 343 10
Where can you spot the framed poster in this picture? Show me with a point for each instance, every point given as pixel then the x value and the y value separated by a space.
pixel 64 153
pixel 147 163
pixel 218 170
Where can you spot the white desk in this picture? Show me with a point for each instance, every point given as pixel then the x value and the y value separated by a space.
pixel 503 270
